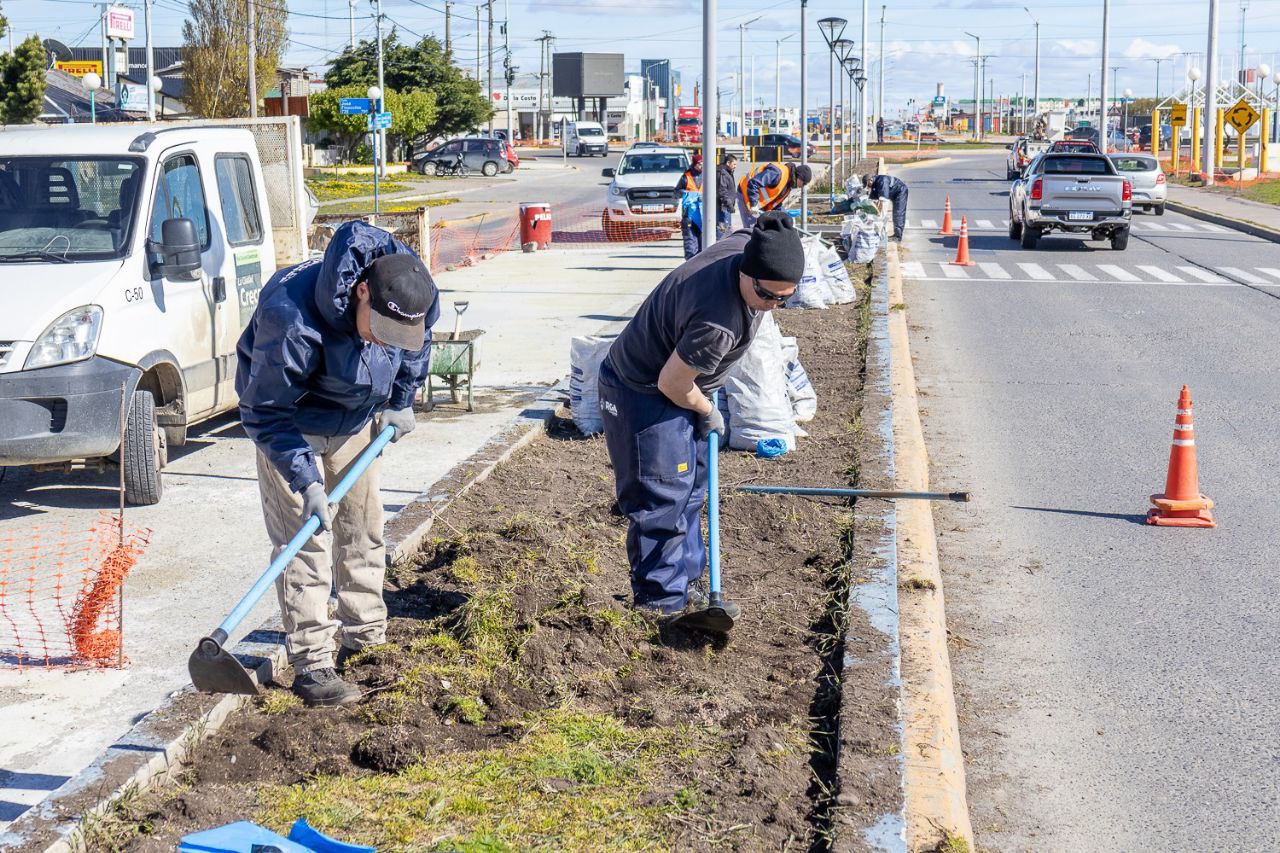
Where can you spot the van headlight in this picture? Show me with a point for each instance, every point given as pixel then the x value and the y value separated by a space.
pixel 71 337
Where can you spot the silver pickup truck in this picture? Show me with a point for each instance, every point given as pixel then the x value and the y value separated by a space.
pixel 1073 193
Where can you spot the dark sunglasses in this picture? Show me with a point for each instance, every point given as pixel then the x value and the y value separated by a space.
pixel 769 295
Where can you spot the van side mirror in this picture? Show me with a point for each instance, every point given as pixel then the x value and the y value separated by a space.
pixel 177 255
pixel 608 173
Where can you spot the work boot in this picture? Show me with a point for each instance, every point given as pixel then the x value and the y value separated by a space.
pixel 324 687
pixel 698 600
pixel 344 654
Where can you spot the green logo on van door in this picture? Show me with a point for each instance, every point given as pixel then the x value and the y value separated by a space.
pixel 248 281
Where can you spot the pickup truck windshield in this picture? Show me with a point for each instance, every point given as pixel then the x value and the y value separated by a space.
pixel 73 209
pixel 633 164
pixel 1076 166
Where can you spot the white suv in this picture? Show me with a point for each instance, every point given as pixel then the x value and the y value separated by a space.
pixel 643 190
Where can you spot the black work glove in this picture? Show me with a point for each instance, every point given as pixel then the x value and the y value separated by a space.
pixel 711 422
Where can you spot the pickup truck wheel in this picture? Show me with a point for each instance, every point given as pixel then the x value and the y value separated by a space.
pixel 1159 210
pixel 1030 236
pixel 1120 239
pixel 1010 175
pixel 143 453
pixel 1015 228
pixel 489 169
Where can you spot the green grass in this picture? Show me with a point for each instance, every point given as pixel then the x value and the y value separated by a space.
pixel 1267 192
pixel 571 781
pixel 399 206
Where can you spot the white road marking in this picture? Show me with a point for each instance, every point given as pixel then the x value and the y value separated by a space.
pixel 1154 226
pixel 1118 273
pixel 1272 271
pixel 1004 223
pixel 1203 275
pixel 913 269
pixel 1160 274
pixel 1077 273
pixel 1037 272
pixel 1180 226
pixel 994 270
pixel 985 223
pixel 951 271
pixel 1243 275
pixel 930 224
pixel 1217 229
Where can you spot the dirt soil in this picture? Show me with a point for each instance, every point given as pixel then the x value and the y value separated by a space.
pixel 520 704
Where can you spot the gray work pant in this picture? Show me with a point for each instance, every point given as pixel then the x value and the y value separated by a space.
pixel 355 564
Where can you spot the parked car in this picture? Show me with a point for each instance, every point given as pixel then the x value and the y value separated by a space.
pixel 1150 187
pixel 1074 146
pixel 509 151
pixel 1071 193
pixel 789 144
pixel 480 154
pixel 136 253
pixel 636 145
pixel 642 190
pixel 1021 152
pixel 586 139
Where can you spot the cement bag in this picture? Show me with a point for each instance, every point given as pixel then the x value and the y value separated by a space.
pixel 812 290
pixel 836 275
pixel 861 245
pixel 804 399
pixel 759 406
pixel 585 355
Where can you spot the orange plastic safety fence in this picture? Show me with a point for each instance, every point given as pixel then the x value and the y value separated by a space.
pixel 60 593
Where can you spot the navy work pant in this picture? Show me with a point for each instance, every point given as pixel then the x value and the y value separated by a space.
pixel 692 236
pixel 899 199
pixel 660 470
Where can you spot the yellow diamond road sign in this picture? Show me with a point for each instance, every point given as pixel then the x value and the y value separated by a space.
pixel 1178 114
pixel 1242 116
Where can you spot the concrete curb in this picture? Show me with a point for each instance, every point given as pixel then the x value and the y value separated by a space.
pixel 937 805
pixel 164 739
pixel 1251 228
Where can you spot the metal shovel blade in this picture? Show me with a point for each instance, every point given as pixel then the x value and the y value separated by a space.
pixel 213 669
pixel 713 620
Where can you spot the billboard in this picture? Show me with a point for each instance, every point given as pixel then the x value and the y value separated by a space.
pixel 119 22
pixel 587 75
pixel 79 68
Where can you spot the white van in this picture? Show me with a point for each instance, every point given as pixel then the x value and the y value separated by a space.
pixel 586 139
pixel 131 257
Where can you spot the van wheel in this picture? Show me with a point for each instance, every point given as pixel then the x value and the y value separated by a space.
pixel 489 169
pixel 143 453
pixel 1030 236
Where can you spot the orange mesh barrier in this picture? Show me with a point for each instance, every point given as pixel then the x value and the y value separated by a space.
pixel 60 593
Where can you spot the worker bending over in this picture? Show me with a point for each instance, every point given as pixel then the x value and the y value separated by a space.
pixel 655 388
pixel 691 182
pixel 767 186
pixel 335 352
pixel 893 189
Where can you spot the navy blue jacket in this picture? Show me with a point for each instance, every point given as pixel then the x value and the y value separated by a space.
pixel 303 368
pixel 886 186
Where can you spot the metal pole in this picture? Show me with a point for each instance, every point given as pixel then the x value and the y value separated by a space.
pixel 831 123
pixel 777 85
pixel 710 121
pixel 977 52
pixel 804 122
pixel 478 77
pixel 351 7
pixel 105 49
pixel 890 494
pixel 253 59
pixel 506 65
pixel 1244 7
pixel 380 162
pixel 1035 93
pixel 1210 94
pixel 880 72
pixel 1106 48
pixel 151 64
pixel 489 78
pixel 742 110
pixel 448 32
pixel 1024 103
pixel 542 79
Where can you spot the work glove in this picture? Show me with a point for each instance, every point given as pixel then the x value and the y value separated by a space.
pixel 711 422
pixel 754 212
pixel 402 419
pixel 316 502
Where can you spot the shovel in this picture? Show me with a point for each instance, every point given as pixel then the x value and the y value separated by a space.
pixel 215 670
pixel 461 308
pixel 714 618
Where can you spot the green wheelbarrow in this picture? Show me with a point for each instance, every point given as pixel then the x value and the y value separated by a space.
pixel 454 359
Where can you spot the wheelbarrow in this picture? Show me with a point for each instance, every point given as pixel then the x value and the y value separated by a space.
pixel 453 361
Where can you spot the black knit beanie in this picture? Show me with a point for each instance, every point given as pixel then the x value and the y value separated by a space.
pixel 802 174
pixel 774 252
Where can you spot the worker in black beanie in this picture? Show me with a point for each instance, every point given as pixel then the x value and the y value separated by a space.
pixel 655 397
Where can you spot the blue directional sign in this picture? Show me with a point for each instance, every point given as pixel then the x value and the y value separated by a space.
pixel 380 121
pixel 353 106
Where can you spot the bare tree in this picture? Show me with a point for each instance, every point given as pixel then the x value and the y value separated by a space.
pixel 216 53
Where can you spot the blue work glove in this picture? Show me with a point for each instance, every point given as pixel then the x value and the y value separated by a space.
pixel 711 422
pixel 316 502
pixel 402 419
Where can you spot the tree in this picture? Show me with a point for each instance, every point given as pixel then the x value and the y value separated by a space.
pixel 22 80
pixel 216 54
pixel 425 67
pixel 412 114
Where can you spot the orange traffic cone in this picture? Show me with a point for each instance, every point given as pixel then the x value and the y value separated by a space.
pixel 946 220
pixel 962 247
pixel 1182 505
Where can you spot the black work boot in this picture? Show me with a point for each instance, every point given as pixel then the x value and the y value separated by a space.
pixel 344 654
pixel 323 687
pixel 698 601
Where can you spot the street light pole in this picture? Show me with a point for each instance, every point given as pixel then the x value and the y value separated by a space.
pixel 1208 149
pixel 1106 47
pixel 1157 62
pixel 1035 88
pixel 862 92
pixel 832 29
pixel 151 66
pixel 843 49
pixel 742 89
pixel 380 166
pixel 253 59
pixel 710 121
pixel 804 119
pixel 777 82
pixel 351 21
pixel 977 52
pixel 880 71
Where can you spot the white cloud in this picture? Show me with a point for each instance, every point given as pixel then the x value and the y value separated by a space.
pixel 1140 48
pixel 1075 47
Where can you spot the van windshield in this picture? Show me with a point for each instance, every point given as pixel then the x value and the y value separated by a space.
pixel 590 131
pixel 71 209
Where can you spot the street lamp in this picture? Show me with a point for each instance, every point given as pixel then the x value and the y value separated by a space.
pixel 843 49
pixel 742 92
pixel 832 29
pixel 92 82
pixel 977 62
pixel 1035 95
pixel 375 107
pixel 852 68
pixel 1275 114
pixel 1124 123
pixel 777 81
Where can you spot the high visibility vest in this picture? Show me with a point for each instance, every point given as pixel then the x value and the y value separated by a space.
pixel 692 183
pixel 774 196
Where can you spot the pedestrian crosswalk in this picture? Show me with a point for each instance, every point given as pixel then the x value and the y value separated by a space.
pixel 1140 225
pixel 1030 272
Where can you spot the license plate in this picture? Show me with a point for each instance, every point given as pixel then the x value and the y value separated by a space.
pixel 652 208
pixel 1081 215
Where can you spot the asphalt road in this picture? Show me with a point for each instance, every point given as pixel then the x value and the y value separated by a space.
pixel 1118 683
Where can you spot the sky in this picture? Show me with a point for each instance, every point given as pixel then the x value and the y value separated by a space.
pixel 925 42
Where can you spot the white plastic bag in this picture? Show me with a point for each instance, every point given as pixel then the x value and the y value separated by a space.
pixel 585 355
pixel 804 399
pixel 759 405
pixel 812 291
pixel 837 276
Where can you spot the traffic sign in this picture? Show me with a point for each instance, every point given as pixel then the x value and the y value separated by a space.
pixel 379 121
pixel 353 106
pixel 1178 115
pixel 1242 116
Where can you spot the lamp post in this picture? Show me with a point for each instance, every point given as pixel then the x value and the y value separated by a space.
pixel 91 83
pixel 375 107
pixel 777 82
pixel 1124 123
pixel 804 118
pixel 742 92
pixel 832 29
pixel 710 120
pixel 1275 114
pixel 852 68
pixel 843 50
pixel 977 61
pixel 1035 93
pixel 1208 148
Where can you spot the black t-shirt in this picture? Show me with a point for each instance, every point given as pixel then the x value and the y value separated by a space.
pixel 696 311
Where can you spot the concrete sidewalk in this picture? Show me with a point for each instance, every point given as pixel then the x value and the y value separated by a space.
pixel 208 542
pixel 1252 217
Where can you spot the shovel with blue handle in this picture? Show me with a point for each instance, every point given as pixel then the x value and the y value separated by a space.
pixel 213 669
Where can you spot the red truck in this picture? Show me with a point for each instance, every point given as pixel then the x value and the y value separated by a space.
pixel 689 125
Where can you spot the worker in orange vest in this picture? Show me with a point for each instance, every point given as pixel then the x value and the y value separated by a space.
pixel 691 231
pixel 767 186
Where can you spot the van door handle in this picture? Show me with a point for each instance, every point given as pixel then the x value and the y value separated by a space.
pixel 219 289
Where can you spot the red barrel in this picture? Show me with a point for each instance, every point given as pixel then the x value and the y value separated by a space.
pixel 535 225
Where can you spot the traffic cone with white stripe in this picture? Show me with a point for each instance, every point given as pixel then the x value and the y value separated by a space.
pixel 1182 505
pixel 946 220
pixel 962 247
